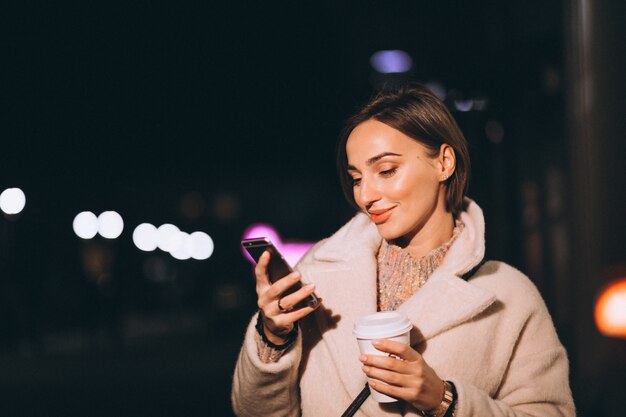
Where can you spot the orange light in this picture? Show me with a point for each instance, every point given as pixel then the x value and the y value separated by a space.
pixel 610 311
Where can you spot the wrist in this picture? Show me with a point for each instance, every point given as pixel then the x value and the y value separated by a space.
pixel 272 340
pixel 448 402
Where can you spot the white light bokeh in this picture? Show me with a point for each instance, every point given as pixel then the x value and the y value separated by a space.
pixel 202 245
pixel 12 200
pixel 145 237
pixel 85 225
pixel 166 237
pixel 183 246
pixel 110 224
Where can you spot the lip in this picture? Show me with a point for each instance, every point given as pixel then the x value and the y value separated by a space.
pixel 380 216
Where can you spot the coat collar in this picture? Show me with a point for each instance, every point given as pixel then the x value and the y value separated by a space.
pixel 344 271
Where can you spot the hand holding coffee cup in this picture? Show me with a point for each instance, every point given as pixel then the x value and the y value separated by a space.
pixel 394 369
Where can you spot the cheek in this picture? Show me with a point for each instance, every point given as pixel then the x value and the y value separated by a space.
pixel 409 186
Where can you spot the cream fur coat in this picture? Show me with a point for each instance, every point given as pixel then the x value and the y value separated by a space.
pixel 492 336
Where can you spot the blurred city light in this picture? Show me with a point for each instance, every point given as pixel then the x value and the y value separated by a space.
pixel 181 246
pixel 110 224
pixel 480 103
pixel 463 105
pixel 202 246
pixel 610 309
pixel 145 237
pixel 85 225
pixel 166 237
pixel 291 251
pixel 169 238
pixel 12 200
pixel 391 61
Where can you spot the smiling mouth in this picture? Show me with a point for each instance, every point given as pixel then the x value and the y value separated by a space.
pixel 380 216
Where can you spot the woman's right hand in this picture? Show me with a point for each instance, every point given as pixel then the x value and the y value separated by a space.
pixel 278 323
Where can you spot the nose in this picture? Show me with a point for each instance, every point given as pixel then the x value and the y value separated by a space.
pixel 366 194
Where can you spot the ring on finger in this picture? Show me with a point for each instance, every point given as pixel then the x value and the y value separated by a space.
pixel 281 308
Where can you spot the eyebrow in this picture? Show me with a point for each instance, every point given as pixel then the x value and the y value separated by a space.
pixel 374 159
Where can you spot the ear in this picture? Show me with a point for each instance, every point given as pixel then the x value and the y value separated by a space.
pixel 447 161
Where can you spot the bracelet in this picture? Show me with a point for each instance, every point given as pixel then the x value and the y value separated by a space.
pixel 448 402
pixel 291 336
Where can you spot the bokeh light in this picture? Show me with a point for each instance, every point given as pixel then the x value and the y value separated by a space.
pixel 391 61
pixel 166 237
pixel 610 309
pixel 202 246
pixel 145 237
pixel 110 224
pixel 85 225
pixel 12 200
pixel 181 246
pixel 463 105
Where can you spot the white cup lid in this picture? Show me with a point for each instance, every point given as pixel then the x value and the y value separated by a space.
pixel 381 325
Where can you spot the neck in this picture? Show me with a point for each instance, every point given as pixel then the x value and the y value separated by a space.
pixel 434 233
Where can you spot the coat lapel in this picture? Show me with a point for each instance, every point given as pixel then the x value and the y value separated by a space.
pixel 445 301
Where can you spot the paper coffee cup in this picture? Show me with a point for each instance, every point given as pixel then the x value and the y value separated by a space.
pixel 391 325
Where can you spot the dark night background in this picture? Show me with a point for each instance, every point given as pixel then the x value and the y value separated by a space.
pixel 217 116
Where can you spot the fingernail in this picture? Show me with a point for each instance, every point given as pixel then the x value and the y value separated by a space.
pixel 365 368
pixel 362 358
pixel 310 287
pixel 296 275
pixel 372 384
pixel 376 342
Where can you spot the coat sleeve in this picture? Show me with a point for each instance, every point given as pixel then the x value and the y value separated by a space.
pixel 536 382
pixel 266 389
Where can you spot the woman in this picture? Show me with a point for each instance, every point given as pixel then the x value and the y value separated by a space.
pixel 482 343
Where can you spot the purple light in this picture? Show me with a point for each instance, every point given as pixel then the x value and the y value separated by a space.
pixel 463 105
pixel 291 251
pixel 391 61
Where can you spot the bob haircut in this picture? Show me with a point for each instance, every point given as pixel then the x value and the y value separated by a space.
pixel 418 113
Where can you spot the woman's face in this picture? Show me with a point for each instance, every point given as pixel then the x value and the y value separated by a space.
pixel 395 180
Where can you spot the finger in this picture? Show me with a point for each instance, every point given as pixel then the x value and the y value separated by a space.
pixel 394 391
pixel 386 362
pixel 300 313
pixel 398 349
pixel 291 300
pixel 268 299
pixel 260 270
pixel 283 284
pixel 388 377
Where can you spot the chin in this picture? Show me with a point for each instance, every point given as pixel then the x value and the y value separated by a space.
pixel 387 232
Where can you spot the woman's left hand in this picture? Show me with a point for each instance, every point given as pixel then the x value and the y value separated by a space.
pixel 406 376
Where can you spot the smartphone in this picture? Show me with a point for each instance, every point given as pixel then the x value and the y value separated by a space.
pixel 278 266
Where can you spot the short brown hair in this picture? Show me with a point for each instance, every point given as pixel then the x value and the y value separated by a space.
pixel 418 113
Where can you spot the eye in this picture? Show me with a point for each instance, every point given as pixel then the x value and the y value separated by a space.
pixel 388 172
pixel 356 182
